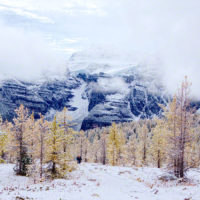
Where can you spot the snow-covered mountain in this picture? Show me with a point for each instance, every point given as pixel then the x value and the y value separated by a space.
pixel 96 89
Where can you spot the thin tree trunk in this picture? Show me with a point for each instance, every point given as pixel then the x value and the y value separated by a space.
pixel 158 163
pixel 104 153
pixel 41 156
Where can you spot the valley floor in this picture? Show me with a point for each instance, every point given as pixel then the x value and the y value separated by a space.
pixel 97 182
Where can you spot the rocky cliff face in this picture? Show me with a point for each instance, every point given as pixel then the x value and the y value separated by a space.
pixel 39 98
pixel 93 100
pixel 121 106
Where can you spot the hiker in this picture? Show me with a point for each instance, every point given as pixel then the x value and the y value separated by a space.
pixel 79 159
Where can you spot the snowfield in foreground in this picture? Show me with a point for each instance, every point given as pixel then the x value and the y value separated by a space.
pixel 97 182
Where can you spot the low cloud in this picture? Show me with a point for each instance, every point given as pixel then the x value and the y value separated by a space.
pixel 115 84
pixel 110 85
pixel 26 55
pixel 164 30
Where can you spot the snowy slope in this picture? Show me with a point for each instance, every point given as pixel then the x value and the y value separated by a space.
pixel 97 182
pixel 81 103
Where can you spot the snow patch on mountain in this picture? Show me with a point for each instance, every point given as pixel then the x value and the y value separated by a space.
pixel 80 102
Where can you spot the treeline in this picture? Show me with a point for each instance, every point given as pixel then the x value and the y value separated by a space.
pixel 39 148
pixel 48 149
pixel 172 141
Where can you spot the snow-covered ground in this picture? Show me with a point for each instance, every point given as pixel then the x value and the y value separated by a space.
pixel 97 182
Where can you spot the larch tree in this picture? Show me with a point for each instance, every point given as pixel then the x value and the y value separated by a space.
pixel 143 142
pixel 86 148
pixel 180 122
pixel 17 140
pixel 54 151
pixel 122 155
pixel 68 136
pixel 172 147
pixel 3 139
pixel 158 143
pixel 30 135
pixel 131 149
pixel 192 154
pixel 40 147
pixel 103 146
pixel 80 143
pixel 95 149
pixel 114 145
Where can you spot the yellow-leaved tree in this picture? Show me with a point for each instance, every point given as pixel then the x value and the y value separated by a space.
pixel 17 139
pixel 103 146
pixel 143 142
pixel 158 143
pixel 115 145
pixel 131 149
pixel 41 131
pixel 179 117
pixel 3 139
pixel 65 124
pixel 54 152
pixel 30 135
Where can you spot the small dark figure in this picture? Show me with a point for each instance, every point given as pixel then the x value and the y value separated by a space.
pixel 79 159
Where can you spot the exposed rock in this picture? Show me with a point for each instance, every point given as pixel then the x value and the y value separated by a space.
pixel 39 98
pixel 94 105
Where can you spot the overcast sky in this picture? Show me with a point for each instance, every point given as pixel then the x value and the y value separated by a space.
pixel 39 35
